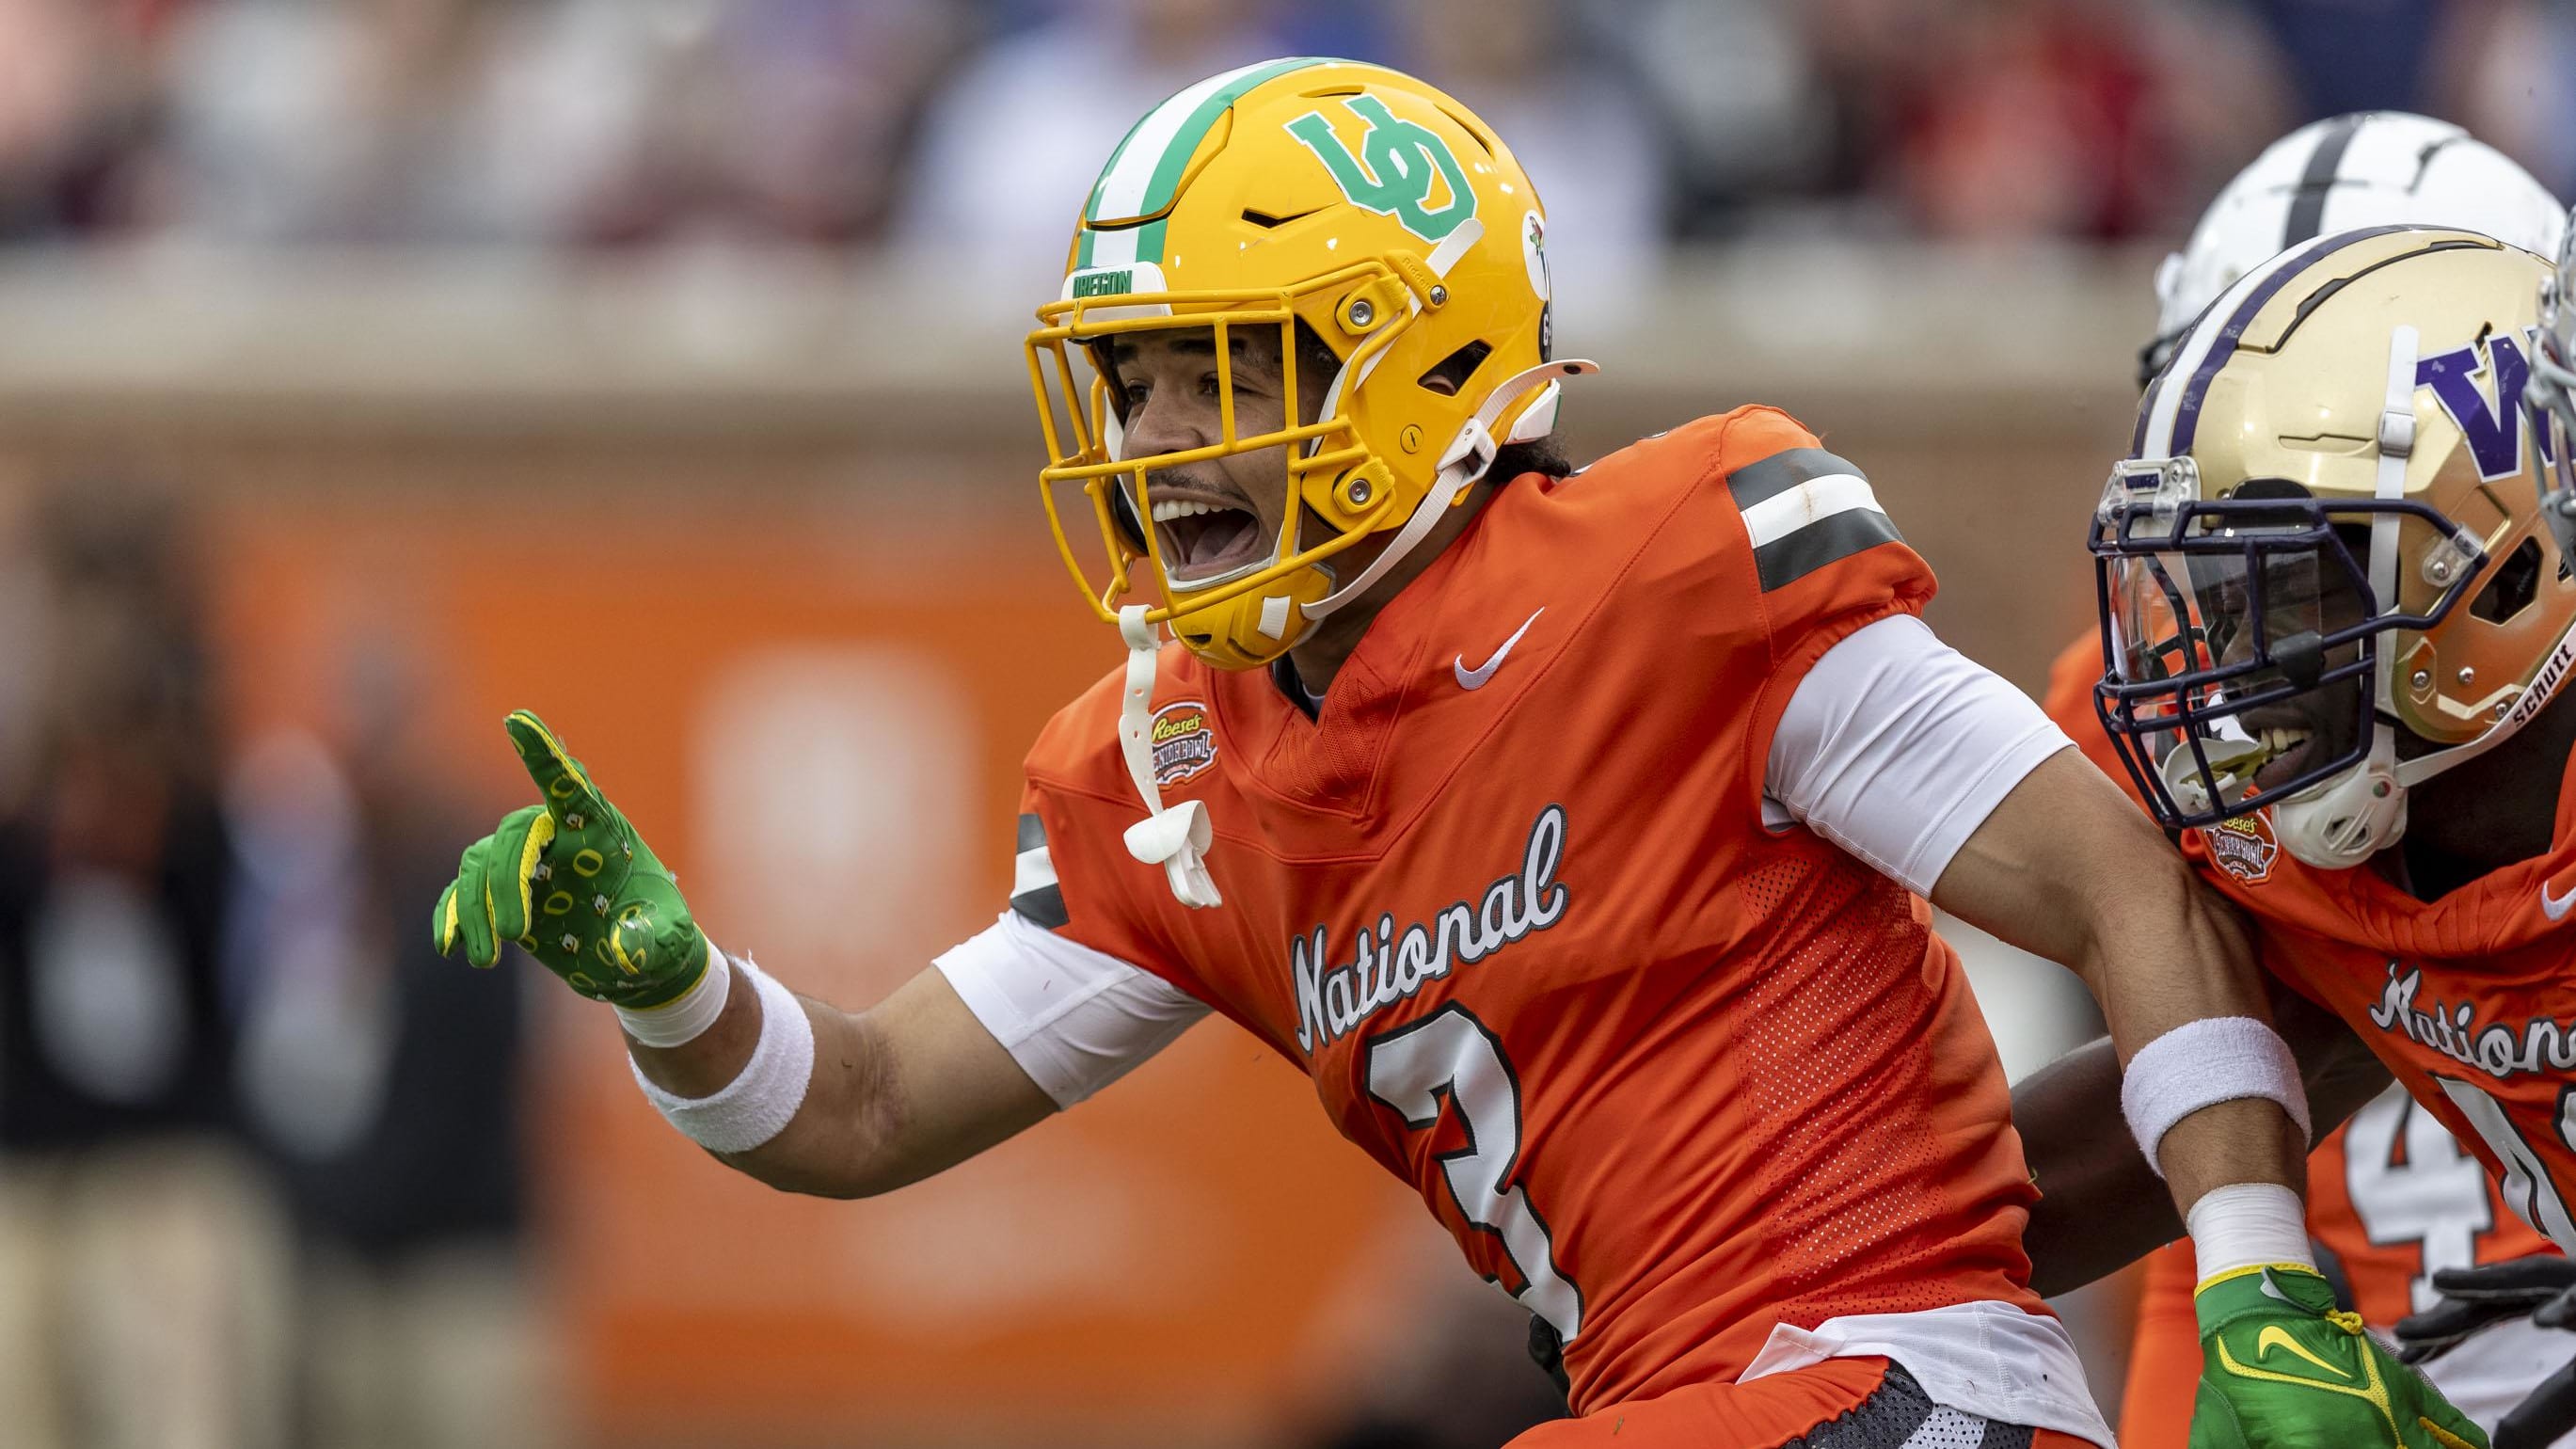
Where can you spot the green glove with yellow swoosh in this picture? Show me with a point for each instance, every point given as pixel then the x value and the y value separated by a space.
pixel 571 882
pixel 2282 1369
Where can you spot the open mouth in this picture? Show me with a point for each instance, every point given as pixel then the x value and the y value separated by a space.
pixel 1203 536
pixel 2285 743
pixel 2285 753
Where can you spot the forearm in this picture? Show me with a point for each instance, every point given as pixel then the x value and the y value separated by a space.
pixel 875 1113
pixel 2066 868
pixel 2100 1205
pixel 2167 956
pixel 826 1147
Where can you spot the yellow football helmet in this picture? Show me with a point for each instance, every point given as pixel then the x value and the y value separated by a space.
pixel 1382 216
pixel 2324 573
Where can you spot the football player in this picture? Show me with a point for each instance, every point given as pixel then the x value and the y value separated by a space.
pixel 2410 1202
pixel 2539 1291
pixel 1567 831
pixel 2335 623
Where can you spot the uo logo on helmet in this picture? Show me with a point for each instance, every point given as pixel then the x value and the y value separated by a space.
pixel 1400 167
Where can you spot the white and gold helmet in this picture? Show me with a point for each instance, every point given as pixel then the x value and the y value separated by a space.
pixel 2323 571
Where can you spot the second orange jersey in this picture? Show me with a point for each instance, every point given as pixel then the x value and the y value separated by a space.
pixel 2392 1196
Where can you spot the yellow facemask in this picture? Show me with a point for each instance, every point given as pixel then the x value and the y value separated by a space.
pixel 1391 224
pixel 1344 200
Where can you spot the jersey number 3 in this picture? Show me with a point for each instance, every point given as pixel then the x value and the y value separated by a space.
pixel 1450 1054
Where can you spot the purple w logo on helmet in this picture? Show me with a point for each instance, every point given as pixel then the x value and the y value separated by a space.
pixel 2492 417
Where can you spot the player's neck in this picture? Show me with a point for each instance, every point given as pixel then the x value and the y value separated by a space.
pixel 2490 812
pixel 1321 654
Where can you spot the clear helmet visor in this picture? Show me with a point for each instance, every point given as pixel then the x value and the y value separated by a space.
pixel 2240 671
pixel 2240 639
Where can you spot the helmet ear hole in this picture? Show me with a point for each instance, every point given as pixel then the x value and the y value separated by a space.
pixel 2515 584
pixel 1448 377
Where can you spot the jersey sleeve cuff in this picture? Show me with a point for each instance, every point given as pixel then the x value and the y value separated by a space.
pixel 1073 1018
pixel 1943 836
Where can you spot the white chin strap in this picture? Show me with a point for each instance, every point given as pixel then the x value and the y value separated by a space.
pixel 2345 819
pixel 1176 839
pixel 1464 462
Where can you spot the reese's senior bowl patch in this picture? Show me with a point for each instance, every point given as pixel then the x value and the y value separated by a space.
pixel 1184 742
pixel 2244 847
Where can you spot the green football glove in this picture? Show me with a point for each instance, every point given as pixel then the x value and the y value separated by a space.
pixel 2282 1369
pixel 571 882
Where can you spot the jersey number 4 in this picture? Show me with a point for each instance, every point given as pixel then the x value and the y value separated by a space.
pixel 1450 1054
pixel 2411 1182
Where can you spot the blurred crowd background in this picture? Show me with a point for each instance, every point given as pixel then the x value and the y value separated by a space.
pixel 951 129
pixel 341 339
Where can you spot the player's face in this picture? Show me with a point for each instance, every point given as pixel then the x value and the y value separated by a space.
pixel 1215 517
pixel 2303 598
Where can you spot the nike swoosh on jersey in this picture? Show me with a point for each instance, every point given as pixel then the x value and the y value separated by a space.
pixel 1475 678
pixel 2556 907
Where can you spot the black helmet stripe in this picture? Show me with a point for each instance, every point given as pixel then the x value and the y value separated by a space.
pixel 2308 201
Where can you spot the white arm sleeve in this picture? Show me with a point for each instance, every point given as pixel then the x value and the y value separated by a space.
pixel 1075 1019
pixel 1896 747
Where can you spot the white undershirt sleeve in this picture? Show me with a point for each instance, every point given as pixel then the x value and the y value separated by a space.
pixel 1075 1019
pixel 1896 747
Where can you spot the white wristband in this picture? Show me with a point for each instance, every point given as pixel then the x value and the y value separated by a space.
pixel 2200 1064
pixel 2245 1224
pixel 679 1020
pixel 756 1105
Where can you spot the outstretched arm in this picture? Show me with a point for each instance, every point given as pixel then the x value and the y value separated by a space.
pixel 906 1089
pixel 795 1092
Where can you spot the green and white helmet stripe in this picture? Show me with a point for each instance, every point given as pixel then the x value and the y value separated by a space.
pixel 1146 168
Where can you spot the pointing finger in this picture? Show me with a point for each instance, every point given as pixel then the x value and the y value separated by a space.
pixel 570 797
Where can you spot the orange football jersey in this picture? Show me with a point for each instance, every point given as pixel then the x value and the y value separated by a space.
pixel 2470 1000
pixel 2392 1196
pixel 1668 1076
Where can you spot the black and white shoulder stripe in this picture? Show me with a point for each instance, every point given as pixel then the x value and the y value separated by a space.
pixel 1034 893
pixel 1806 508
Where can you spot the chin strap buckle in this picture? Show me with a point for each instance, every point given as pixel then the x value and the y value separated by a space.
pixel 1177 839
pixel 1462 463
